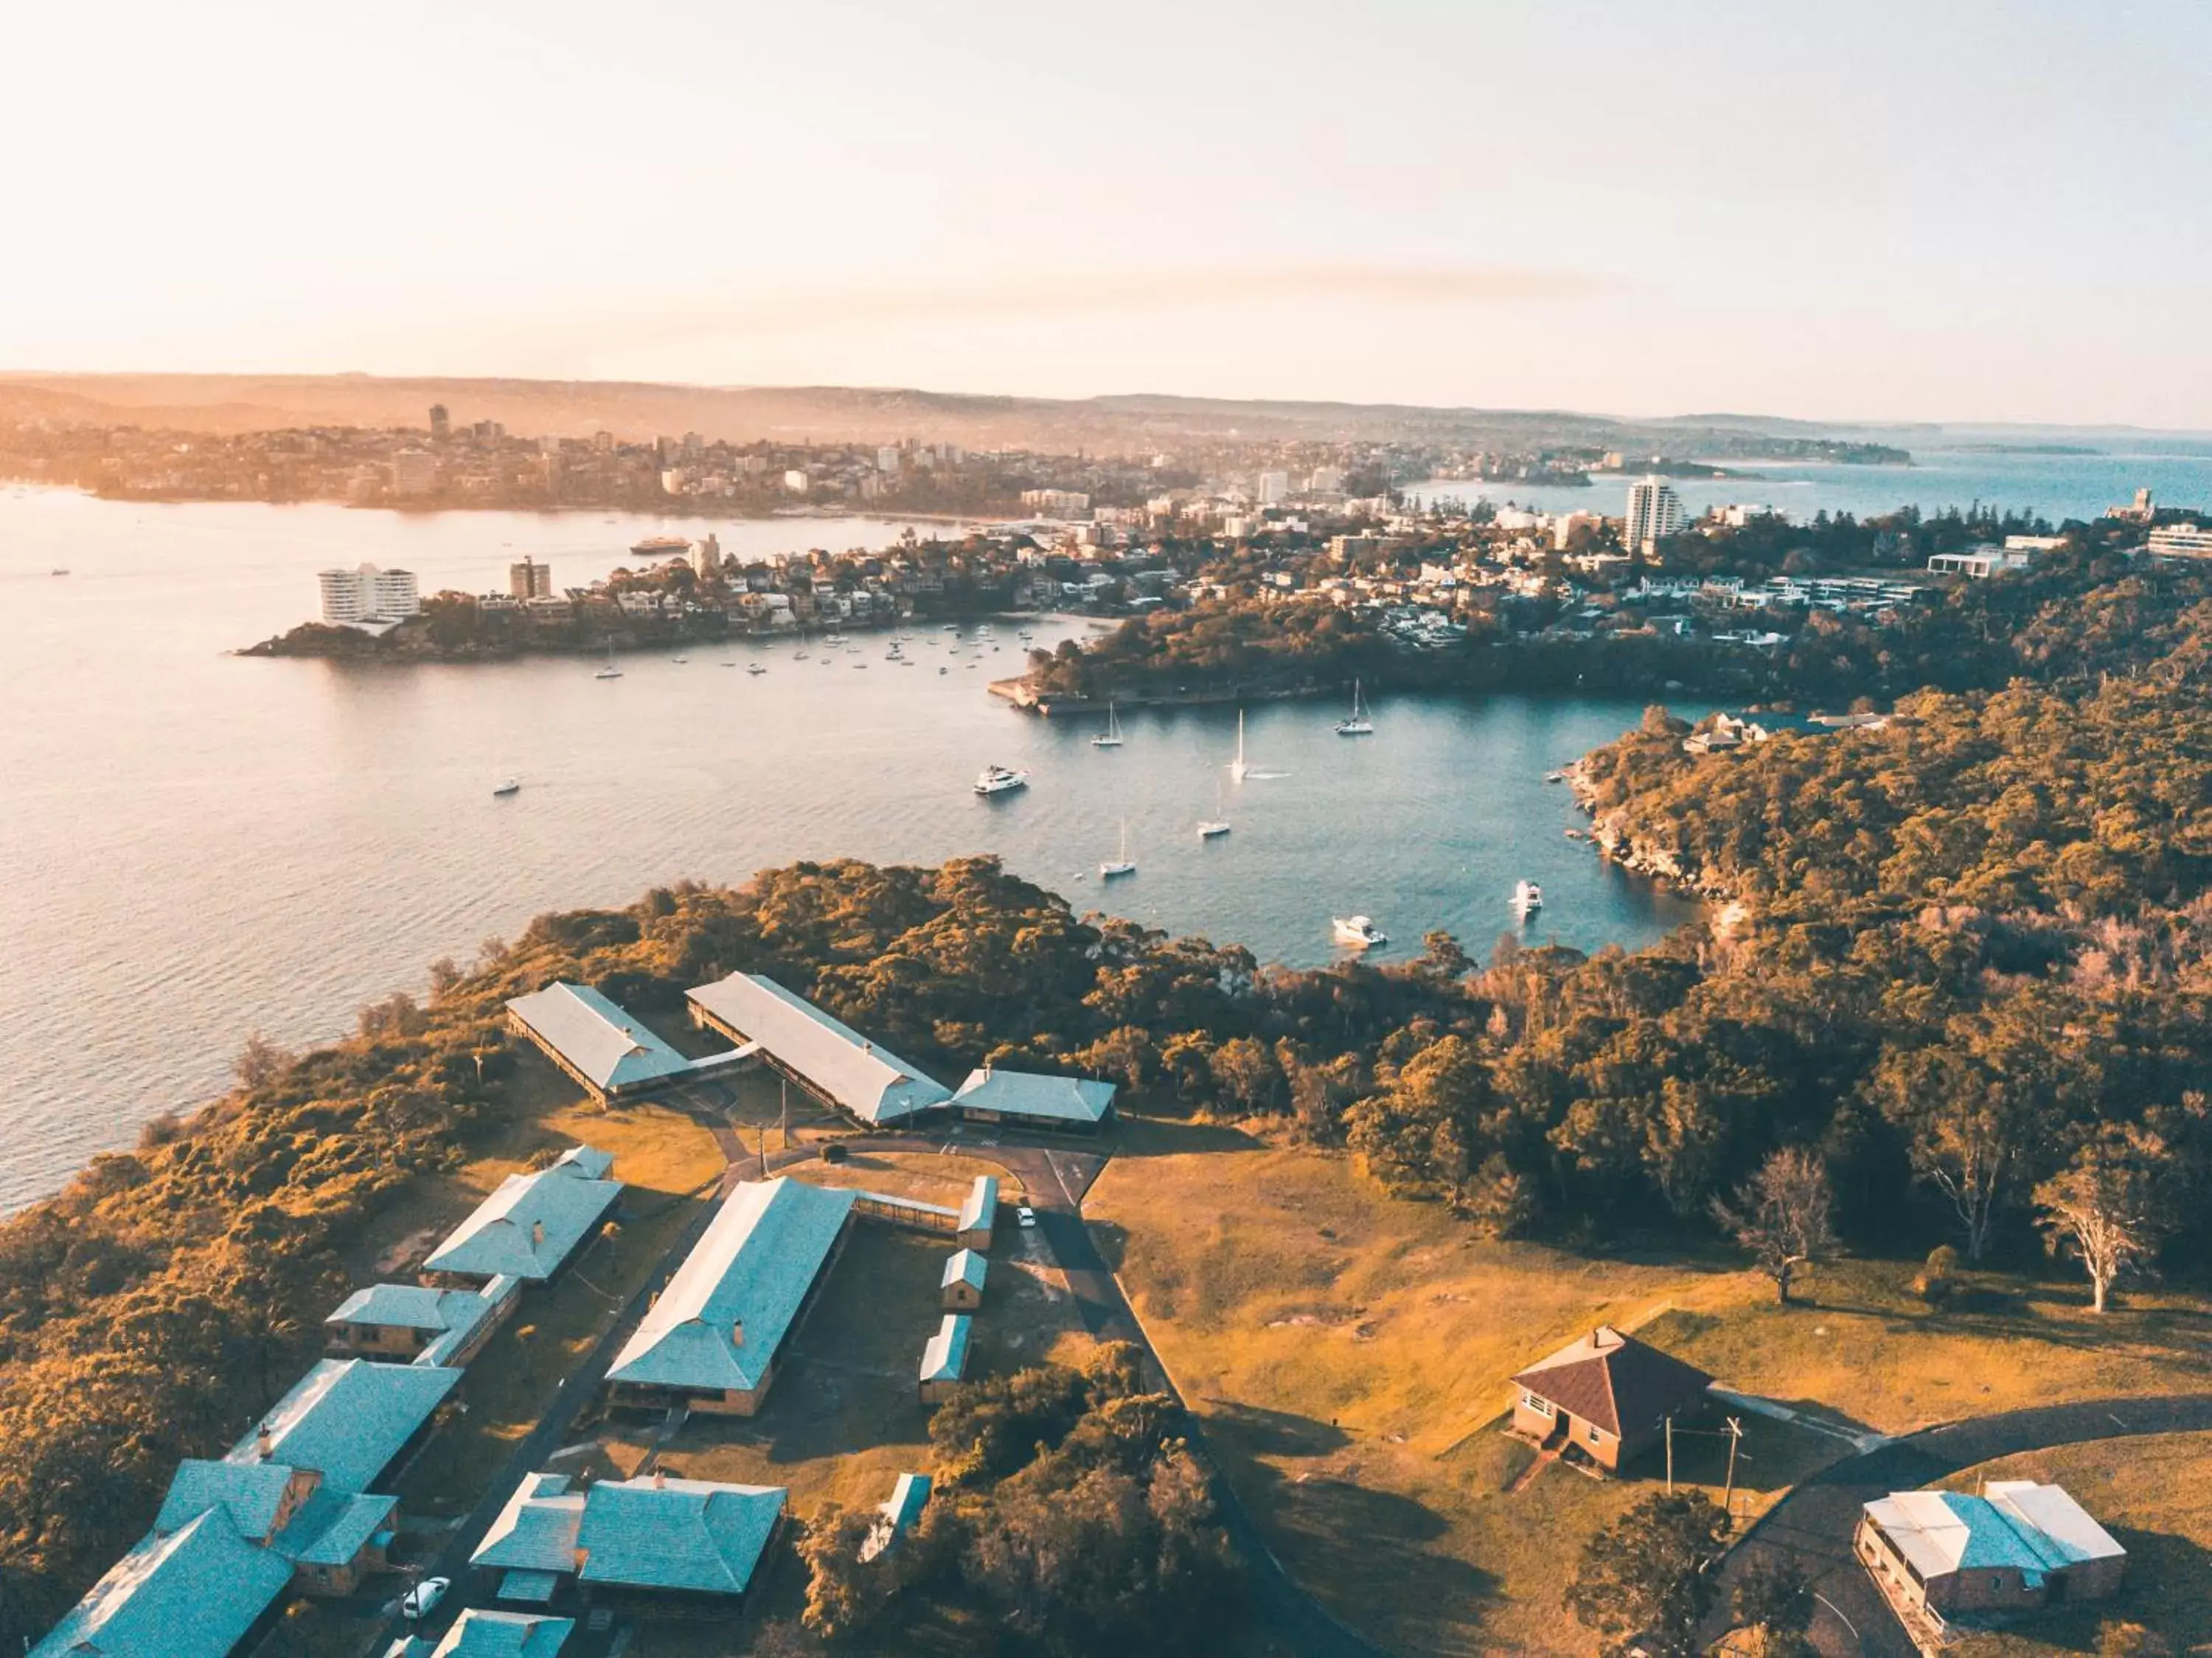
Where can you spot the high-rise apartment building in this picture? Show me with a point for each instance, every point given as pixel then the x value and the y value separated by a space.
pixel 530 580
pixel 1273 487
pixel 1654 511
pixel 414 472
pixel 441 423
pixel 367 594
pixel 706 558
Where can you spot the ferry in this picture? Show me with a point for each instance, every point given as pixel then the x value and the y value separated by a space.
pixel 1528 898
pixel 1360 932
pixel 1000 779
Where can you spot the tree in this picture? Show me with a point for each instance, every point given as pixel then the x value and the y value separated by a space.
pixel 843 1594
pixel 1775 1597
pixel 1782 1214
pixel 2103 1208
pixel 1645 1581
pixel 259 1062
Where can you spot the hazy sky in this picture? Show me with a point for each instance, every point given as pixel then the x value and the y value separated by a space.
pixel 1940 210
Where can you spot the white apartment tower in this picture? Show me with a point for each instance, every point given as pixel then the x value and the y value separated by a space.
pixel 707 559
pixel 367 594
pixel 1654 511
pixel 1273 487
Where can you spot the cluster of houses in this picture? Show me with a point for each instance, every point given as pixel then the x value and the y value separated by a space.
pixel 1607 1398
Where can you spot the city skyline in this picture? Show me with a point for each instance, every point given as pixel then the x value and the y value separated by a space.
pixel 1965 216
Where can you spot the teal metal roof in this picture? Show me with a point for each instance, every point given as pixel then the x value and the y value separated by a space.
pixel 723 1316
pixel 1032 1094
pixel 536 1531
pixel 192 1593
pixel 252 1492
pixel 501 1237
pixel 689 1534
pixel 597 1037
pixel 945 1358
pixel 966 1266
pixel 348 1419
pixel 331 1527
pixel 535 1586
pixel 870 1081
pixel 982 1209
pixel 412 1307
pixel 479 1634
pixel 908 1498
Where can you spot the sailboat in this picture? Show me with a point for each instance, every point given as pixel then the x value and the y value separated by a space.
pixel 1123 865
pixel 1359 725
pixel 1236 767
pixel 1111 736
pixel 1217 826
pixel 610 672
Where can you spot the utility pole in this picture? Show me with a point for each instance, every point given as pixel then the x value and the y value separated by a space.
pixel 1670 1456
pixel 1728 1494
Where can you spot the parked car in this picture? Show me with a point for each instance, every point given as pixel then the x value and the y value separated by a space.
pixel 1025 1215
pixel 422 1601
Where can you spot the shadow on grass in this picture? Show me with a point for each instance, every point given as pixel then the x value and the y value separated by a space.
pixel 1258 1432
pixel 1178 1137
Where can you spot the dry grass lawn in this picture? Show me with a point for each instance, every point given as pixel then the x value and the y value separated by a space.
pixel 942 1178
pixel 1350 1355
pixel 2154 1494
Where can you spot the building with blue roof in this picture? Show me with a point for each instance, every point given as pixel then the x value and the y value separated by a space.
pixel 1073 1105
pixel 710 1340
pixel 195 1592
pixel 653 1535
pixel 529 1227
pixel 348 1420
pixel 598 1044
pixel 898 1516
pixel 479 1634
pixel 416 1323
pixel 962 1286
pixel 945 1361
pixel 826 1057
pixel 2015 1544
pixel 979 1215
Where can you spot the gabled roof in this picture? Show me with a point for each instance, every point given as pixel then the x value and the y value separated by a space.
pixel 252 1492
pixel 192 1593
pixel 478 1633
pixel 746 1276
pixel 537 1529
pixel 566 1198
pixel 909 1495
pixel 595 1036
pixel 2016 1524
pixel 677 1534
pixel 331 1527
pixel 348 1419
pixel 982 1207
pixel 964 1266
pixel 1030 1093
pixel 945 1358
pixel 1610 1379
pixel 871 1082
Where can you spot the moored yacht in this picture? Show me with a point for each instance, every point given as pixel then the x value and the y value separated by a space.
pixel 1359 725
pixel 999 779
pixel 1360 932
pixel 1528 898
pixel 512 786
pixel 1111 736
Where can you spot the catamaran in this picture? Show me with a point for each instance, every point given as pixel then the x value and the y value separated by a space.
pixel 999 779
pixel 1236 767
pixel 1111 736
pixel 1360 932
pixel 1122 865
pixel 1528 898
pixel 1359 725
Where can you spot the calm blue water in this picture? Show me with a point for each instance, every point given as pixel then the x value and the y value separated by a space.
pixel 2056 487
pixel 198 845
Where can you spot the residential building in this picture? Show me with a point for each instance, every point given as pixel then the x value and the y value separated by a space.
pixel 480 1634
pixel 530 1226
pixel 979 1215
pixel 796 481
pixel 1076 1104
pixel 1325 480
pixel 1607 1396
pixel 530 580
pixel 831 1060
pixel 1272 487
pixel 710 1341
pixel 887 459
pixel 414 472
pixel 706 558
pixel 441 423
pixel 367 593
pixel 656 1536
pixel 897 1516
pixel 419 1324
pixel 1655 512
pixel 599 1044
pixel 1977 563
pixel 962 1284
pixel 945 1361
pixel 2171 543
pixel 2013 1545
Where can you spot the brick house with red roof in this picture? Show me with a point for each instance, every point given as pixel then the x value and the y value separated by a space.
pixel 1607 1395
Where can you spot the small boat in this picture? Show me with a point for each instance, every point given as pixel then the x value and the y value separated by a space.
pixel 944 670
pixel 61 570
pixel 610 672
pixel 512 786
pixel 1555 777
pixel 1236 767
pixel 1528 898
pixel 1574 834
pixel 1000 779
pixel 1111 736
pixel 1360 932
pixel 1359 725
pixel 755 669
pixel 1214 827
pixel 1123 864
pixel 798 655
pixel 679 661
pixel 949 627
pixel 729 664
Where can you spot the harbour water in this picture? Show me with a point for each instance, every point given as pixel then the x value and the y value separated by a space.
pixel 197 845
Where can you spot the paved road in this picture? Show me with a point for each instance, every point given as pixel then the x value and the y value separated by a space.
pixel 1812 1527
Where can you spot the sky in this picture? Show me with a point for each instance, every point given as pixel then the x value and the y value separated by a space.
pixel 1906 211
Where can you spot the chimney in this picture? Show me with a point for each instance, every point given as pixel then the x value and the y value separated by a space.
pixel 265 1446
pixel 538 1234
pixel 737 1332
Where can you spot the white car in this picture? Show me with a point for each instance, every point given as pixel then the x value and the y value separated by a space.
pixel 422 1601
pixel 1025 1215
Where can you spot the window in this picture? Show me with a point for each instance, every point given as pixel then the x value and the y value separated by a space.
pixel 1542 1407
pixel 1595 1432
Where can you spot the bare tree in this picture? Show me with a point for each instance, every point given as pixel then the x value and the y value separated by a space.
pixel 1782 1214
pixel 2102 1209
pixel 260 1061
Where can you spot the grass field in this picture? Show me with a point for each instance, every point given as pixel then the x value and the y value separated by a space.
pixel 932 1177
pixel 1349 1354
pixel 2154 1494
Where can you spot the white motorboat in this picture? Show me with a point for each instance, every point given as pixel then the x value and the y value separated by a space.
pixel 1360 932
pixel 1000 779
pixel 1236 767
pixel 1359 725
pixel 1528 898
pixel 1111 736
pixel 755 669
pixel 1123 864
pixel 512 786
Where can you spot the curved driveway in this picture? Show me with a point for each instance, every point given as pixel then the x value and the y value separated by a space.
pixel 1812 1527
